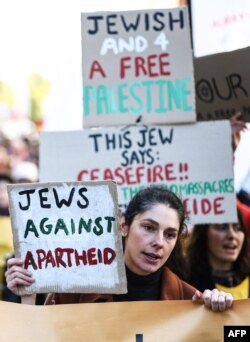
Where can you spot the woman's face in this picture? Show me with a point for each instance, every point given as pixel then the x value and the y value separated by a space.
pixel 150 239
pixel 224 244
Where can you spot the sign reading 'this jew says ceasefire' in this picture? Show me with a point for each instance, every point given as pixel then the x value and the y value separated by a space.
pixel 68 236
pixel 195 161
pixel 132 64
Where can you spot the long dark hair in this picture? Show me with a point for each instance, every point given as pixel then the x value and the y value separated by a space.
pixel 147 198
pixel 199 269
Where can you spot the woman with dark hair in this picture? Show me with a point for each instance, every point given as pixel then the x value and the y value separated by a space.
pixel 151 226
pixel 218 257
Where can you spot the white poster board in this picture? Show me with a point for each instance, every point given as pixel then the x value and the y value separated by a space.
pixel 220 26
pixel 195 161
pixel 68 236
pixel 223 85
pixel 132 65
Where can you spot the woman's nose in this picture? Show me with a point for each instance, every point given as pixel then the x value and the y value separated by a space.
pixel 158 239
pixel 231 231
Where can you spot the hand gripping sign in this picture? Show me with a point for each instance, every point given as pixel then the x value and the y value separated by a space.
pixel 68 236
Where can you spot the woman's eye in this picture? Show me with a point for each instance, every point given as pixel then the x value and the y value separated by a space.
pixel 170 235
pixel 221 227
pixel 149 228
pixel 237 228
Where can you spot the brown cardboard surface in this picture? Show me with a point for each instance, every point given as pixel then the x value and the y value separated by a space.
pixel 173 321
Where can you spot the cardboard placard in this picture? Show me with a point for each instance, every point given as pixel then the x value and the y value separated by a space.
pixel 195 161
pixel 132 65
pixel 222 85
pixel 68 236
pixel 220 26
pixel 171 320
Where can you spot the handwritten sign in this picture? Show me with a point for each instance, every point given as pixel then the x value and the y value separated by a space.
pixel 132 64
pixel 226 23
pixel 67 234
pixel 195 161
pixel 222 85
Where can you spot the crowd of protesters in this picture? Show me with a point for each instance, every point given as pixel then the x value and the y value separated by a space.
pixel 18 164
pixel 225 262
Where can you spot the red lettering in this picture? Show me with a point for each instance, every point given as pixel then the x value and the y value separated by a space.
pixel 94 175
pixel 96 67
pixel 81 174
pixel 108 255
pixel 92 256
pixel 157 173
pixel 50 259
pixel 163 64
pixel 205 206
pixel 140 66
pixel 41 257
pixel 129 176
pixel 124 66
pixel 151 65
pixel 139 174
pixel 99 254
pixel 217 206
pixel 29 261
pixel 118 174
pixel 108 175
pixel 82 258
pixel 195 209
pixel 58 257
pixel 168 171
pixel 68 252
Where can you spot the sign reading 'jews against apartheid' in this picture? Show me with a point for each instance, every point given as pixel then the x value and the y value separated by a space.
pixel 67 234
pixel 195 161
pixel 223 85
pixel 132 65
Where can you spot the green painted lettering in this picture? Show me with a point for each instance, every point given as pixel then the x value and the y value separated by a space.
pixel 30 227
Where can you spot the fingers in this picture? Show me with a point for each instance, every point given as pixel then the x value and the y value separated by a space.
pixel 16 275
pixel 217 300
pixel 197 295
pixel 237 124
pixel 14 261
pixel 236 116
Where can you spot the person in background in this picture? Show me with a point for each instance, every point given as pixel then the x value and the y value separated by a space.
pixel 243 195
pixel 237 126
pixel 152 227
pixel 6 238
pixel 25 172
pixel 22 172
pixel 218 257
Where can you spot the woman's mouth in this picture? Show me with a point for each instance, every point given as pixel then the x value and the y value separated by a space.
pixel 152 258
pixel 230 248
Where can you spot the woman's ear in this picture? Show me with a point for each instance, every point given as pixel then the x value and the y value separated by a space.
pixel 123 226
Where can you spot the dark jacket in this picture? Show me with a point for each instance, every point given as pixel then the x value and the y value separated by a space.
pixel 173 288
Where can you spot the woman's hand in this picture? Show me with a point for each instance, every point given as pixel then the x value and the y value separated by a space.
pixel 237 126
pixel 215 300
pixel 17 276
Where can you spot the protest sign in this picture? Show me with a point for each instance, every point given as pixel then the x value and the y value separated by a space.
pixel 225 22
pixel 181 158
pixel 161 321
pixel 132 65
pixel 68 236
pixel 222 85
